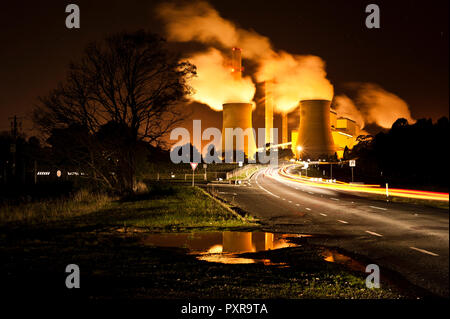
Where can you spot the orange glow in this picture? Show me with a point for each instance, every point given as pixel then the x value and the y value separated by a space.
pixel 215 85
pixel 370 189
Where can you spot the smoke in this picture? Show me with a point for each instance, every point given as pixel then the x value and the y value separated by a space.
pixel 295 77
pixel 346 108
pixel 199 21
pixel 214 83
pixel 373 105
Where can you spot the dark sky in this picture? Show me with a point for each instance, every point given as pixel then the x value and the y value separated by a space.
pixel 408 56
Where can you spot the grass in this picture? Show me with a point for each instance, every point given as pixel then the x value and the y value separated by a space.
pixel 164 206
pixel 81 203
pixel 185 208
pixel 245 172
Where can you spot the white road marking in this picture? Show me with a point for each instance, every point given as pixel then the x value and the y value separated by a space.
pixel 297 204
pixel 266 189
pixel 311 193
pixel 308 208
pixel 323 214
pixel 290 201
pixel 373 233
pixel 424 251
pixel 381 208
pixel 284 198
pixel 333 198
pixel 342 221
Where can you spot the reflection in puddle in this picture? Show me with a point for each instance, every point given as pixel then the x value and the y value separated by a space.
pixel 335 257
pixel 222 247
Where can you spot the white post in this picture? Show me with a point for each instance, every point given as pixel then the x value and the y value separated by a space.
pixel 192 178
pixel 387 190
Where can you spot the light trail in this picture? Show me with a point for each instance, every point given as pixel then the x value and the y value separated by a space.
pixel 370 189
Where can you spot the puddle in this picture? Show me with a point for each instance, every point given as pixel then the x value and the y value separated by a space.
pixel 335 257
pixel 223 247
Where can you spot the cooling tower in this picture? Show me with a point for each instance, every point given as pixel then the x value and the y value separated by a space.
pixel 235 116
pixel 314 132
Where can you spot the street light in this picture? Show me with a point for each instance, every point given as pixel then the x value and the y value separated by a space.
pixel 299 149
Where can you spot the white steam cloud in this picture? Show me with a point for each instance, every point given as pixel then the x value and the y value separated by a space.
pixel 373 105
pixel 295 77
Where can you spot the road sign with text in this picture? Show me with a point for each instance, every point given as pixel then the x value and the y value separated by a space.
pixel 352 163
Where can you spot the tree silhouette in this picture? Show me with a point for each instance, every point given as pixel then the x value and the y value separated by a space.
pixel 124 90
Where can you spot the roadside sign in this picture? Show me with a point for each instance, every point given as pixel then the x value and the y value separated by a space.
pixel 194 166
pixel 352 163
pixel 205 165
pixel 240 164
pixel 305 165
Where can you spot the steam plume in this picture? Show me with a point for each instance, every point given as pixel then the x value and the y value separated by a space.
pixel 295 77
pixel 215 85
pixel 373 104
pixel 346 108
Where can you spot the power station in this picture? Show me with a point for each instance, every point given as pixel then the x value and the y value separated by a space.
pixel 320 133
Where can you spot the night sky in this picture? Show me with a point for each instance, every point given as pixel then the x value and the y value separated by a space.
pixel 408 56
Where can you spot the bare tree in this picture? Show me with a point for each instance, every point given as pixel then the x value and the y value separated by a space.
pixel 132 83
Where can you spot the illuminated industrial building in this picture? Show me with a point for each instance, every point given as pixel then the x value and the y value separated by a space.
pixel 344 132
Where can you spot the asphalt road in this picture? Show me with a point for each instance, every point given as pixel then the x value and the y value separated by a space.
pixel 407 239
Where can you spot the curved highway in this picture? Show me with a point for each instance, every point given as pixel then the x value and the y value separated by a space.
pixel 409 239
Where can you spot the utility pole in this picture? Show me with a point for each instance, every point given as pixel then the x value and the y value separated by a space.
pixel 15 132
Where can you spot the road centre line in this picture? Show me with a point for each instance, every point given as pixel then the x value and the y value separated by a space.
pixel 373 233
pixel 381 208
pixel 424 251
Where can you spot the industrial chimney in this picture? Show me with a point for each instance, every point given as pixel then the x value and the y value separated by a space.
pixel 236 64
pixel 284 130
pixel 314 132
pixel 268 88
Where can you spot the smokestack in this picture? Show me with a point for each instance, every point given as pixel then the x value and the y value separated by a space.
pixel 268 86
pixel 314 132
pixel 238 115
pixel 284 129
pixel 236 64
